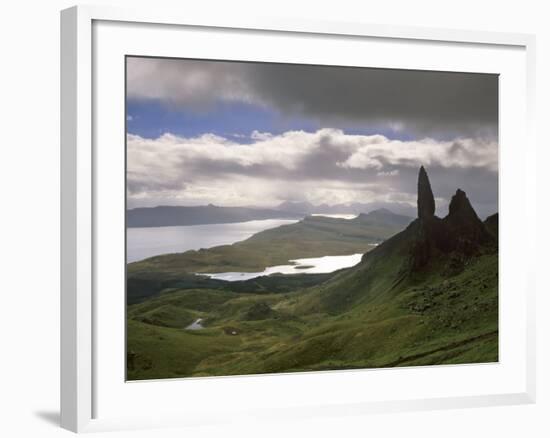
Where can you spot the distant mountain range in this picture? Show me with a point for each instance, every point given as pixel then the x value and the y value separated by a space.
pixel 385 217
pixel 306 208
pixel 166 216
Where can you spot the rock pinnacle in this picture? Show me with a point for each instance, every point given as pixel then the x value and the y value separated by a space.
pixel 426 203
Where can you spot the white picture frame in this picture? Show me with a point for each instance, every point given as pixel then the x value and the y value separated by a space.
pixel 82 369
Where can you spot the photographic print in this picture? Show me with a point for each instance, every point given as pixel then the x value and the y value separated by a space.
pixel 295 218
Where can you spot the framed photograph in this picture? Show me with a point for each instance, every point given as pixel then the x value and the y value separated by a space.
pixel 288 218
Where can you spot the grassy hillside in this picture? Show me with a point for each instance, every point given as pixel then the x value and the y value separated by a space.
pixel 143 288
pixel 377 314
pixel 431 320
pixel 427 295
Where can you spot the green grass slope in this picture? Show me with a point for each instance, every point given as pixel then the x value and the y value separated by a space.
pixel 428 295
pixel 372 315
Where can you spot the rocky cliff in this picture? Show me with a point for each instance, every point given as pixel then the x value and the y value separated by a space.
pixel 460 232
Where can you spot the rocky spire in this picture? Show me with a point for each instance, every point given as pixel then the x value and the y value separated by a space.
pixel 426 203
pixel 460 206
pixel 464 230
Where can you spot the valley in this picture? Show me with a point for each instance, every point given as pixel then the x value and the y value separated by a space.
pixel 425 292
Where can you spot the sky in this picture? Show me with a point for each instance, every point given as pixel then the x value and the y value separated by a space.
pixel 258 134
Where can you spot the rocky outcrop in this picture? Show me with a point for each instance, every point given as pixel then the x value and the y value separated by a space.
pixel 460 207
pixel 461 232
pixel 464 231
pixel 428 226
pixel 491 223
pixel 425 202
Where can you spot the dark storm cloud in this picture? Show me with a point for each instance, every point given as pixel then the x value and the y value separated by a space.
pixel 420 102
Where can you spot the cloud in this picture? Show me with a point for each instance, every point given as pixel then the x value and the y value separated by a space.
pixel 420 102
pixel 462 153
pixel 389 173
pixel 326 166
pixel 191 84
pixel 256 135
